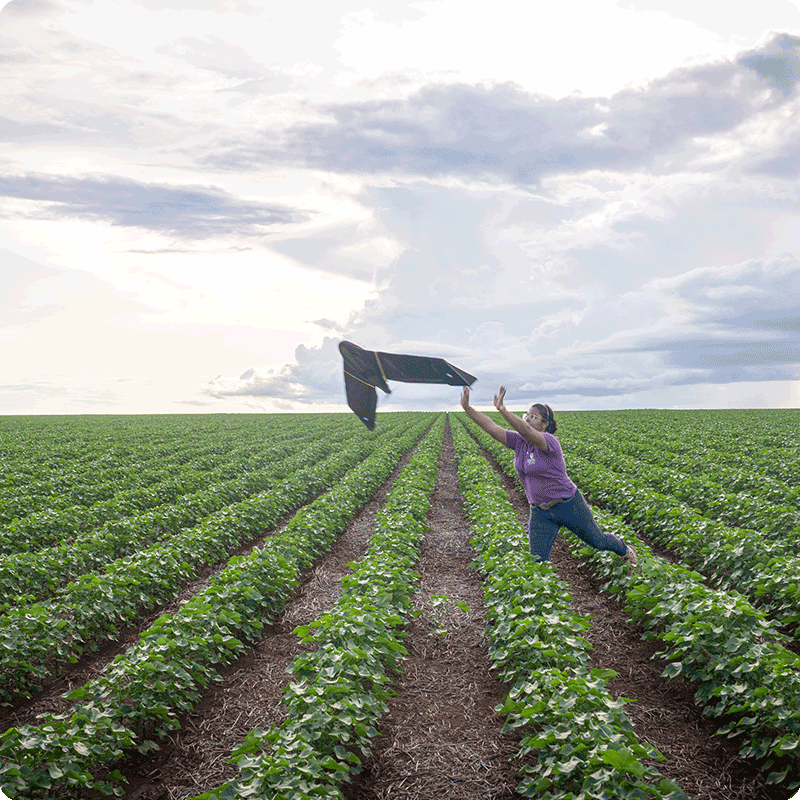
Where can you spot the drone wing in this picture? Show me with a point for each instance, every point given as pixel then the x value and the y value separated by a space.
pixel 366 369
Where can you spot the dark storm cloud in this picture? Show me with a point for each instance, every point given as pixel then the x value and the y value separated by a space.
pixel 193 212
pixel 505 131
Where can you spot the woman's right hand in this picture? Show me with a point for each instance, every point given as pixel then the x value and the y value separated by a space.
pixel 465 398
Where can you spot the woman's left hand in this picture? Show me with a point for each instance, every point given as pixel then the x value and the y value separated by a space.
pixel 499 397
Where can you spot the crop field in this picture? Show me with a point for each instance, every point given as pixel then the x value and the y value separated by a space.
pixel 290 606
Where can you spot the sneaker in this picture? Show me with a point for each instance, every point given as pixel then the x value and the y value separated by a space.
pixel 631 557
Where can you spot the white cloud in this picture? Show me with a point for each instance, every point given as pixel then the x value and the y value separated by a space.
pixel 188 211
pixel 544 47
pixel 220 189
pixel 503 133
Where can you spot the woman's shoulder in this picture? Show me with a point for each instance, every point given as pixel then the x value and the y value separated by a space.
pixel 552 440
pixel 515 440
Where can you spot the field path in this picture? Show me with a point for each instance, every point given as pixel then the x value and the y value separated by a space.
pixel 705 766
pixel 442 738
pixel 195 759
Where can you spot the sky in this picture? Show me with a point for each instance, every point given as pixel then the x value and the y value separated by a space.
pixel 593 203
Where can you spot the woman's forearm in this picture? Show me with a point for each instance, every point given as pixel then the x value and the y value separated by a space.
pixel 481 419
pixel 513 420
pixel 528 432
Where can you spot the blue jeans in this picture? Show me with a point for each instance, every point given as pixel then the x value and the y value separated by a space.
pixel 575 515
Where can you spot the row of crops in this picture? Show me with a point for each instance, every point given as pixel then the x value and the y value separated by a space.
pixel 723 626
pixel 138 697
pixel 103 520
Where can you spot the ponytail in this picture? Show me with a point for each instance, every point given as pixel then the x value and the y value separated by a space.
pixel 547 413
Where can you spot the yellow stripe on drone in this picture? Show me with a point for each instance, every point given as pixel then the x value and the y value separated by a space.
pixel 359 379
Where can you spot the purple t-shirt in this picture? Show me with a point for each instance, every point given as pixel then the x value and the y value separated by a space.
pixel 543 475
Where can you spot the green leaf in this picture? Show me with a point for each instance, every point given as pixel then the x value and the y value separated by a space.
pixel 672 670
pixel 777 777
pixel 624 760
pixel 603 674
pixel 81 748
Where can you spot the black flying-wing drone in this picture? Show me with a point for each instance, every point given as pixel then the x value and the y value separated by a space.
pixel 366 369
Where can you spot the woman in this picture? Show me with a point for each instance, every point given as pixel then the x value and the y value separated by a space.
pixel 555 500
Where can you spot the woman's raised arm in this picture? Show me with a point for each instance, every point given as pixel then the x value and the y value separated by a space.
pixel 528 432
pixel 481 420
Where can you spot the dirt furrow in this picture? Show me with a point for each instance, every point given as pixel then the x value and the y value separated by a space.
pixel 441 737
pixel 705 766
pixel 67 677
pixel 196 758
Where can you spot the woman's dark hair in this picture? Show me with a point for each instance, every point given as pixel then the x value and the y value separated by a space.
pixel 546 414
